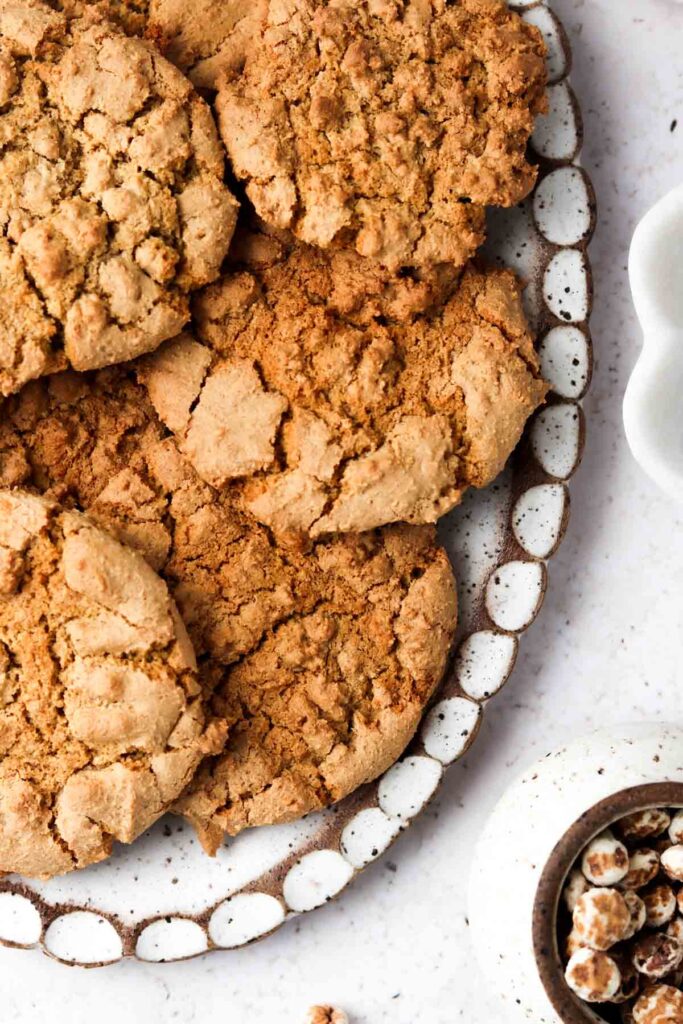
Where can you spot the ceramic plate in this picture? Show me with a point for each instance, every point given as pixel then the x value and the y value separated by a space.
pixel 162 899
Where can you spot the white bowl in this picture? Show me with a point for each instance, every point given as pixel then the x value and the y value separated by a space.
pixel 653 400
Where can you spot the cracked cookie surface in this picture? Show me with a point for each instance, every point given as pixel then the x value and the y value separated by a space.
pixel 205 38
pixel 327 395
pixel 386 125
pixel 320 659
pixel 101 712
pixel 112 202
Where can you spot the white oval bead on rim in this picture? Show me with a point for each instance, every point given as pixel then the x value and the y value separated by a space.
pixel 484 662
pixel 173 938
pixel 315 879
pixel 556 439
pixel 556 135
pixel 408 785
pixel 83 937
pixel 514 594
pixel 367 835
pixel 538 519
pixel 20 922
pixel 544 21
pixel 450 727
pixel 562 206
pixel 565 286
pixel 565 361
pixel 244 917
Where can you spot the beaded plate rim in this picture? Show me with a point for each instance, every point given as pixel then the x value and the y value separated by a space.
pixel 367 822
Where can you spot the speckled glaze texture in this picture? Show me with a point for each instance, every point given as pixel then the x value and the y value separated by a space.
pixel 564 800
pixel 162 900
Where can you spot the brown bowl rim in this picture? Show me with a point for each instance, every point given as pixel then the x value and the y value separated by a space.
pixel 544 916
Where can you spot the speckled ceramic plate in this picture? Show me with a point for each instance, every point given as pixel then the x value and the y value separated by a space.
pixel 162 898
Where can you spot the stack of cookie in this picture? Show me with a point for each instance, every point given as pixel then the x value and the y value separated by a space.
pixel 232 412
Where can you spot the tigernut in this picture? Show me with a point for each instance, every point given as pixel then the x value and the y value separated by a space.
pixel 637 911
pixel 575 886
pixel 644 824
pixel 326 1015
pixel 676 828
pixel 593 976
pixel 629 985
pixel 672 862
pixel 572 943
pixel 643 868
pixel 605 860
pixel 660 905
pixel 661 1004
pixel 657 955
pixel 602 918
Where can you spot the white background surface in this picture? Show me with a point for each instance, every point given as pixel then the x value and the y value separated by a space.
pixel 606 648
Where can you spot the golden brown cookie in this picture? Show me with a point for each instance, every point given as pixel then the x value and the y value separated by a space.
pixel 101 712
pixel 328 395
pixel 112 202
pixel 386 125
pixel 320 659
pixel 205 38
pixel 129 15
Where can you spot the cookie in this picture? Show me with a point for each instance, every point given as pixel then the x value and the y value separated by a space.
pixel 112 202
pixel 320 658
pixel 208 38
pixel 386 125
pixel 205 39
pixel 328 397
pixel 130 15
pixel 101 712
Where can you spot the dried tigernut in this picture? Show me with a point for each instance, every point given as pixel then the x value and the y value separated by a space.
pixel 676 828
pixel 657 955
pixel 637 911
pixel 575 886
pixel 661 1004
pixel 572 943
pixel 661 845
pixel 593 976
pixel 643 868
pixel 644 824
pixel 605 860
pixel 660 905
pixel 602 918
pixel 629 985
pixel 675 929
pixel 326 1015
pixel 672 862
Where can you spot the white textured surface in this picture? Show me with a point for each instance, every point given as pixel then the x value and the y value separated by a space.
pixel 395 948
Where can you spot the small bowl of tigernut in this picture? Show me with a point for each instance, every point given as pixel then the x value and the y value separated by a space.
pixel 576 896
pixel 611 948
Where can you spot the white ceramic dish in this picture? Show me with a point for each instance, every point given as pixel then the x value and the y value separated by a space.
pixel 162 899
pixel 652 405
pixel 554 797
